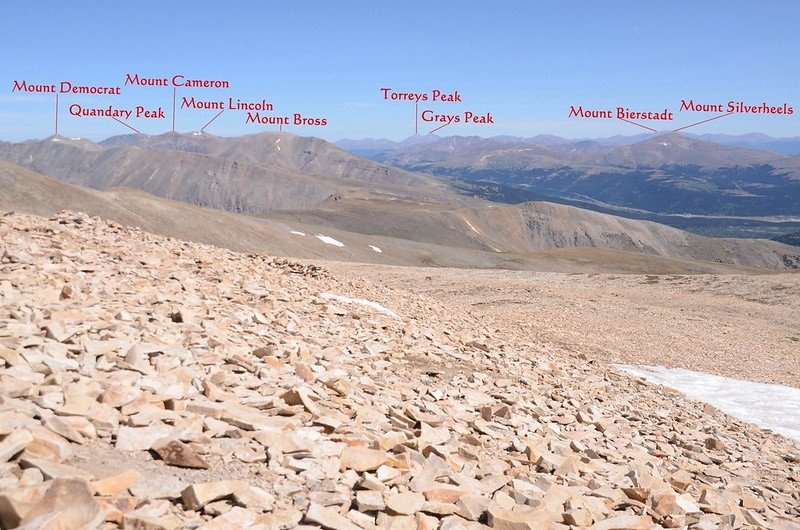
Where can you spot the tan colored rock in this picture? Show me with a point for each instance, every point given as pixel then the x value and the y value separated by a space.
pixel 30 477
pixel 179 454
pixel 47 445
pixel 637 494
pixel 368 501
pixel 625 522
pixel 361 519
pixel 81 425
pixel 198 495
pixel 548 462
pixel 54 470
pixel 300 396
pixel 60 332
pixel 141 438
pixel 14 443
pixel 278 520
pixel 17 502
pixel 751 502
pixel 472 507
pixel 154 516
pixel 504 500
pixel 115 484
pixel 157 486
pixel 396 522
pixel 67 292
pixel 445 494
pixel 362 459
pixel 303 370
pixel 11 357
pixel 407 503
pixel 427 522
pixel 680 480
pixel 517 520
pixel 328 518
pixel 236 517
pixel 47 521
pixel 534 451
pixel 71 501
pixel 265 351
pixel 116 507
pixel 391 439
pixel 255 499
pixel 578 517
pixel 666 504
pixel 60 427
pixel 119 395
pixel 439 509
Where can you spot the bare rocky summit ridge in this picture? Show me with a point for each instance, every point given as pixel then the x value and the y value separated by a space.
pixel 254 173
pixel 148 382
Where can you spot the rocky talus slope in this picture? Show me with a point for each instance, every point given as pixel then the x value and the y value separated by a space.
pixel 151 383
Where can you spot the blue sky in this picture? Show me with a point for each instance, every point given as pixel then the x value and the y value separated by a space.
pixel 524 62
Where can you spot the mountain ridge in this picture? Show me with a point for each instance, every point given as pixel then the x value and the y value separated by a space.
pixel 667 174
pixel 528 236
pixel 789 145
pixel 257 173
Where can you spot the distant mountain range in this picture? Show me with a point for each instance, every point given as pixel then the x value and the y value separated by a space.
pixel 538 236
pixel 666 174
pixel 291 188
pixel 785 146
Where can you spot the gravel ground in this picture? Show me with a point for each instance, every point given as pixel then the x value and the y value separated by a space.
pixel 745 327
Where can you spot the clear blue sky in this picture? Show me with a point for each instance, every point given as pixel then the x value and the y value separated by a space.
pixel 525 62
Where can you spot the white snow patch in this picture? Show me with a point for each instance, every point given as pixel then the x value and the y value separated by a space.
pixel 295 232
pixel 73 138
pixel 771 407
pixel 376 249
pixel 473 228
pixel 329 240
pixel 664 144
pixel 55 139
pixel 360 301
pixel 276 144
pixel 198 133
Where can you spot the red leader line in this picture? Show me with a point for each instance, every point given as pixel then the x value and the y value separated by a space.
pixel 212 119
pixel 704 121
pixel 56 112
pixel 437 128
pixel 125 124
pixel 174 95
pixel 637 124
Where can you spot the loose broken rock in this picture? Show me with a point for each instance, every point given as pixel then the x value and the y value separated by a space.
pixel 176 453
